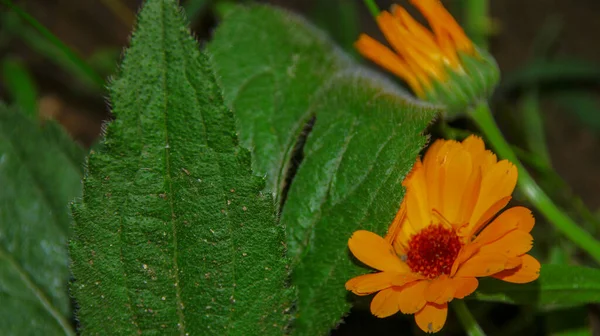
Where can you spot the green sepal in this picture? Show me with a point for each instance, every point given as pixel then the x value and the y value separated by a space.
pixel 474 82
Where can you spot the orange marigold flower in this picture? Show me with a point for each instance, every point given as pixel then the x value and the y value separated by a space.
pixel 445 235
pixel 440 65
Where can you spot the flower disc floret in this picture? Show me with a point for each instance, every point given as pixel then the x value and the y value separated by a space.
pixel 432 251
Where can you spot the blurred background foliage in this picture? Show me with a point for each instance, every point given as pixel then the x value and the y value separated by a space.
pixel 55 56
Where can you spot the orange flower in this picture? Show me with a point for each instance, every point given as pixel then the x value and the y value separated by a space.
pixel 445 236
pixel 420 55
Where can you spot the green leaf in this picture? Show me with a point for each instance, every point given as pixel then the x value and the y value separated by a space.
pixel 173 234
pixel 365 138
pixel 39 174
pixel 20 85
pixel 284 65
pixel 557 286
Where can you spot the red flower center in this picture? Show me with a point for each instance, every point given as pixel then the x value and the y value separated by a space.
pixel 432 251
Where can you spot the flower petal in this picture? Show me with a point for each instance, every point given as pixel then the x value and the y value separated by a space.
pixel 396 226
pixel 512 219
pixel 418 210
pixel 412 296
pixel 464 287
pixel 370 283
pixel 481 265
pixel 512 244
pixel 432 171
pixel 376 252
pixel 482 158
pixel 385 303
pixel 457 169
pixel 440 290
pixel 496 184
pixel 474 228
pixel 387 59
pixel 527 272
pixel 432 317
pixel 403 279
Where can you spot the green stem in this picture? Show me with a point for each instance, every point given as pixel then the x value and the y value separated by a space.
pixel 466 318
pixel 476 21
pixel 372 6
pixel 534 124
pixel 483 117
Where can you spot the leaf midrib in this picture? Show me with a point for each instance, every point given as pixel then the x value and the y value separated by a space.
pixel 181 324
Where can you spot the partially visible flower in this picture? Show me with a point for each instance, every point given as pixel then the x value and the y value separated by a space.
pixel 442 65
pixel 446 235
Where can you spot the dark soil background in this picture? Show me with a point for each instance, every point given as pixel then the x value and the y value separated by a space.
pixel 89 26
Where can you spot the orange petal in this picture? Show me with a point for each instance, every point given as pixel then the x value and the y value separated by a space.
pixel 414 27
pixel 512 244
pixel 403 279
pixel 513 262
pixel 465 287
pixel 466 252
pixel 440 290
pixel 432 172
pixel 370 283
pixel 376 252
pixel 481 265
pixel 385 303
pixel 487 215
pixel 457 174
pixel 418 210
pixel 496 184
pixel 395 227
pixel 443 24
pixel 469 197
pixel 420 59
pixel 485 159
pixel 387 59
pixel 432 317
pixel 514 218
pixel 527 272
pixel 412 296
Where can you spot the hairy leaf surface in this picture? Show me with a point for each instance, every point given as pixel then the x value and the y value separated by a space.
pixel 173 235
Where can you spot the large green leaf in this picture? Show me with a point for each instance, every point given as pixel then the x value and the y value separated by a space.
pixel 278 73
pixel 558 285
pixel 173 235
pixel 272 67
pixel 40 173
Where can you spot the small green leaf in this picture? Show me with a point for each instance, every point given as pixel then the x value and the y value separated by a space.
pixel 279 74
pixel 20 85
pixel 558 285
pixel 173 234
pixel 40 171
